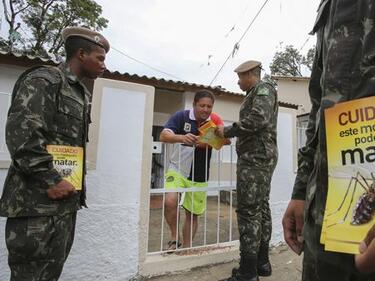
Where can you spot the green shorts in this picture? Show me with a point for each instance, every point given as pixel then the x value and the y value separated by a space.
pixel 194 202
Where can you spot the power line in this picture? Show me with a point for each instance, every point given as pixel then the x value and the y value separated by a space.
pixel 304 44
pixel 228 33
pixel 145 64
pixel 236 46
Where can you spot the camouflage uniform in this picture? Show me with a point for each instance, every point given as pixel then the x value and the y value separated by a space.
pixel 344 69
pixel 257 156
pixel 49 106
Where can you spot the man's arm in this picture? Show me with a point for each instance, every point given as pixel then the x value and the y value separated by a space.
pixel 29 120
pixel 365 261
pixel 257 117
pixel 169 136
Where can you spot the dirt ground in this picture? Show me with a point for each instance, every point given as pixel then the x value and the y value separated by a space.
pixel 285 264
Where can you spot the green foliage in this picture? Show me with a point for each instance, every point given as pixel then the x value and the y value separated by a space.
pixel 289 61
pixel 46 19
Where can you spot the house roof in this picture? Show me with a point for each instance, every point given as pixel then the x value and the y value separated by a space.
pixel 25 60
pixel 292 78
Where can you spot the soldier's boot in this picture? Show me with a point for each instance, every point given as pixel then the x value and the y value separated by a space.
pixel 264 265
pixel 247 270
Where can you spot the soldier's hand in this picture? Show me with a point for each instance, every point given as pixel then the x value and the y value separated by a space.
pixel 219 131
pixel 293 225
pixel 190 139
pixel 365 261
pixel 62 190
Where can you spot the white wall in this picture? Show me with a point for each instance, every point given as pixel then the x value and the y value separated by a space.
pixel 295 90
pixel 8 78
pixel 107 242
pixel 283 178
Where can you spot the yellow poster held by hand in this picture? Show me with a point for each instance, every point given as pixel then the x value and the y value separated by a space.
pixel 68 162
pixel 207 135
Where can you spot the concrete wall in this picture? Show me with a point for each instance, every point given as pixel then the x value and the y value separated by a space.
pixel 109 233
pixel 283 177
pixel 8 77
pixel 295 90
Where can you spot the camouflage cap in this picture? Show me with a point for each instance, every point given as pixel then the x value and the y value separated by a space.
pixel 87 34
pixel 247 65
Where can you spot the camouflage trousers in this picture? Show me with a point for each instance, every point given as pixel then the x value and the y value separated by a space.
pixel 320 270
pixel 39 246
pixel 321 265
pixel 253 211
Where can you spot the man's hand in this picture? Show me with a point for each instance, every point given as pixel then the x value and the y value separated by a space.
pixel 219 131
pixel 189 139
pixel 62 190
pixel 293 225
pixel 365 261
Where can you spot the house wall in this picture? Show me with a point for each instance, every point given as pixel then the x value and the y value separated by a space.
pixel 295 91
pixel 109 238
pixel 8 77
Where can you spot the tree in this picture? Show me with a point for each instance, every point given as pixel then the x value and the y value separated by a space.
pixel 46 19
pixel 12 9
pixel 289 62
pixel 309 58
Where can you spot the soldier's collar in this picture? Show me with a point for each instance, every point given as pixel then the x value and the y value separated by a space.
pixel 252 88
pixel 72 78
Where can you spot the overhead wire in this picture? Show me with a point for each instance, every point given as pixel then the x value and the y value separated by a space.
pixel 210 56
pixel 145 64
pixel 237 44
pixel 124 54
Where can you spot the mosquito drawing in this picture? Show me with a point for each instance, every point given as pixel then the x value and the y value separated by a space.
pixel 65 172
pixel 364 207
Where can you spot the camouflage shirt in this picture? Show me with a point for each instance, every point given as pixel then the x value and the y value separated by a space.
pixel 343 69
pixel 49 106
pixel 257 126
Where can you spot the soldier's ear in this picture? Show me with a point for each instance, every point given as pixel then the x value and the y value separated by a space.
pixel 81 54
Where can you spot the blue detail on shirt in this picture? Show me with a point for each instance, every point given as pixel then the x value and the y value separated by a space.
pixel 181 124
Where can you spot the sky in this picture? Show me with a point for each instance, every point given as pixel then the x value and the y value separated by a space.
pixel 177 36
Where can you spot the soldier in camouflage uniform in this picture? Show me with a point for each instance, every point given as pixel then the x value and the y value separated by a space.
pixel 50 106
pixel 343 70
pixel 257 157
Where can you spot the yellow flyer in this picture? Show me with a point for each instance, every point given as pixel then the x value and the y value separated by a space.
pixel 207 135
pixel 350 207
pixel 68 161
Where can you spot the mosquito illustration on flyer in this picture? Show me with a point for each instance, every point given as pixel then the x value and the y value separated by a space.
pixel 359 194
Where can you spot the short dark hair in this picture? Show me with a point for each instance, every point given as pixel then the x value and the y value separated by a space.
pixel 74 43
pixel 203 94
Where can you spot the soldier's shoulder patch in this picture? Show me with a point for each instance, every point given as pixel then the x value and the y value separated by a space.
pixel 263 91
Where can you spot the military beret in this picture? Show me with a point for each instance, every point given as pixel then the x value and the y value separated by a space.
pixel 247 65
pixel 87 34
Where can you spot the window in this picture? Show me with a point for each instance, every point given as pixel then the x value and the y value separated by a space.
pixel 4 105
pixel 302 122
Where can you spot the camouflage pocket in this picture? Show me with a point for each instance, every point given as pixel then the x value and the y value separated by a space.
pixel 27 238
pixel 69 117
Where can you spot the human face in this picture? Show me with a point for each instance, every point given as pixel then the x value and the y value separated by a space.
pixel 203 108
pixel 92 64
pixel 245 80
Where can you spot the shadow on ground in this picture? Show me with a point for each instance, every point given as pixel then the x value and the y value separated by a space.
pixel 286 265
